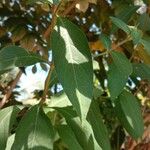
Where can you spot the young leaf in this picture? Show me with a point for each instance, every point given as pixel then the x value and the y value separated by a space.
pixel 128 111
pixel 68 137
pixel 73 64
pixel 119 71
pixel 99 129
pixel 7 120
pixel 13 56
pixel 35 131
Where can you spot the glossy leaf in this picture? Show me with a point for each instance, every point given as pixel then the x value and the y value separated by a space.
pixel 7 119
pixel 128 111
pixel 73 64
pixel 119 71
pixel 13 56
pixel 98 126
pixel 35 131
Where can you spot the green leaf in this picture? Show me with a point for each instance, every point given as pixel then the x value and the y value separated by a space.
pixel 13 56
pixel 125 14
pixel 82 130
pixel 7 120
pixel 119 71
pixel 73 64
pixel 98 126
pixel 106 41
pixel 141 70
pixel 120 24
pixel 68 137
pixel 35 131
pixel 128 111
pixel 135 34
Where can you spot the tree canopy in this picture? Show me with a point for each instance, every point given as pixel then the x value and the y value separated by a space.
pixel 98 51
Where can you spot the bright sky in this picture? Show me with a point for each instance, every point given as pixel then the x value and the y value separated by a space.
pixel 30 82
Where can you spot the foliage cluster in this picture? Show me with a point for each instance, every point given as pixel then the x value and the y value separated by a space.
pixel 101 57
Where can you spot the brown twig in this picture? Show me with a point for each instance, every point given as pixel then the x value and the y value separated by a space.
pixel 9 92
pixel 46 87
pixel 70 8
pixel 122 42
pixel 55 9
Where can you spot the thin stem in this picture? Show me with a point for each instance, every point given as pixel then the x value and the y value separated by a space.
pixel 48 33
pixel 101 54
pixel 47 81
pixel 9 92
pixel 122 42
pixel 70 8
pixel 53 22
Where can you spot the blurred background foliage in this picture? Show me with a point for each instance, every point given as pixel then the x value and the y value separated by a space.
pixel 25 24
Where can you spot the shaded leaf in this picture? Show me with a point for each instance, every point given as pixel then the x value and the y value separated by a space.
pixel 128 111
pixel 68 137
pixel 141 70
pixel 106 41
pixel 7 119
pixel 119 71
pixel 13 56
pixel 99 129
pixel 125 14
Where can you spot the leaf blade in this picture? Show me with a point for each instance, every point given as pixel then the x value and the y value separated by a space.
pixel 119 71
pixel 13 56
pixel 34 131
pixel 7 119
pixel 75 63
pixel 129 117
